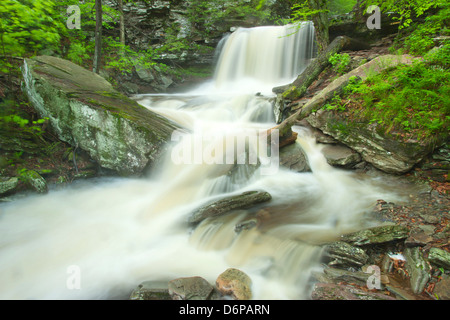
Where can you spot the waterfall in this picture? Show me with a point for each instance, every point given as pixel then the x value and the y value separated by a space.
pixel 99 239
pixel 269 55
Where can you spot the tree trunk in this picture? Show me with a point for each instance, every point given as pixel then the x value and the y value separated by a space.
pixel 98 36
pixel 298 88
pixel 336 88
pixel 121 23
pixel 321 23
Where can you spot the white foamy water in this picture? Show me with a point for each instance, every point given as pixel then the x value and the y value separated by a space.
pixel 102 238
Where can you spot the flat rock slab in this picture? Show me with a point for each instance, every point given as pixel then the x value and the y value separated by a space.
pixel 376 235
pixel 84 110
pixel 228 204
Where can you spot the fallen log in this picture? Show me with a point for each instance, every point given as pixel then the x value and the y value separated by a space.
pixel 297 89
pixel 335 88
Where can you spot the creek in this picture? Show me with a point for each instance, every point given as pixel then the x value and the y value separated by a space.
pixel 99 239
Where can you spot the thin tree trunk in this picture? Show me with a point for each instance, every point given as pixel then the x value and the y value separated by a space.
pixel 121 24
pixel 321 23
pixel 98 36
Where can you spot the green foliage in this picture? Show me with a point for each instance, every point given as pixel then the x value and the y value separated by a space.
pixel 405 10
pixel 28 26
pixel 341 6
pixel 302 11
pixel 420 41
pixel 207 15
pixel 122 59
pixel 16 122
pixel 340 62
pixel 413 99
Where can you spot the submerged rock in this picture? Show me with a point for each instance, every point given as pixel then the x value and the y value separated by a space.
pixel 84 110
pixel 226 205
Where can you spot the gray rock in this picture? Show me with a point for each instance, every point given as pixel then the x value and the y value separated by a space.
pixel 8 184
pixel 442 289
pixel 190 288
pixel 376 235
pixel 331 291
pixel 228 204
pixel 293 158
pixel 340 275
pixel 341 156
pixel 85 111
pixel 439 257
pixel 35 181
pixel 344 254
pixel 151 290
pixel 383 152
pixel 417 268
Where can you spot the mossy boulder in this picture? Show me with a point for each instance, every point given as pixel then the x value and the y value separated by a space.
pixel 85 111
pixel 385 152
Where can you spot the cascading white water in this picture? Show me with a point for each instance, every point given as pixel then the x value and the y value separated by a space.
pixel 116 233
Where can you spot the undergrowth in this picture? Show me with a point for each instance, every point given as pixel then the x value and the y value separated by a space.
pixel 412 101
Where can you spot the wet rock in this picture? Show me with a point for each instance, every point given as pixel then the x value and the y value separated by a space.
pixel 418 237
pixel 439 257
pixel 35 181
pixel 190 288
pixel 376 235
pixel 234 283
pixel 8 184
pixel 151 290
pixel 246 225
pixel 85 111
pixel 341 156
pixel 344 254
pixel 339 275
pixel 331 291
pixel 226 205
pixel 384 152
pixel 417 268
pixel 293 158
pixel 442 289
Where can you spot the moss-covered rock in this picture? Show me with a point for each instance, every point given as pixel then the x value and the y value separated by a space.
pixel 85 111
pixel 226 205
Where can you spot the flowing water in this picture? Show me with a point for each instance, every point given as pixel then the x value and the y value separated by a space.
pixel 100 239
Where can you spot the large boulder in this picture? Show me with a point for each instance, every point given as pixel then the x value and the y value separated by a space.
pixel 85 111
pixel 384 152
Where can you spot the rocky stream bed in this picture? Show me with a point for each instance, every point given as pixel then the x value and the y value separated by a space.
pixel 406 257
